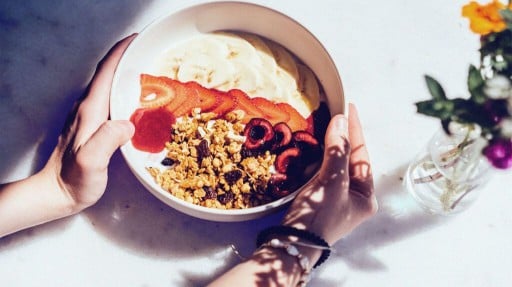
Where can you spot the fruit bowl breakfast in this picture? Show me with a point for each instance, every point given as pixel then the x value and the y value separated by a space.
pixel 229 115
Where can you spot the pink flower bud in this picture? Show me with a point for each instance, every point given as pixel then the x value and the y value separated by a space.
pixel 499 153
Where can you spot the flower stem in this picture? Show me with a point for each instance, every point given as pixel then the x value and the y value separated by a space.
pixel 445 157
pixel 454 204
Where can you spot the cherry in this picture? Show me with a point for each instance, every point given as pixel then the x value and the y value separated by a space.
pixel 282 136
pixel 258 133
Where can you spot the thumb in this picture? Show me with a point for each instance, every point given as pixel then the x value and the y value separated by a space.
pixel 105 141
pixel 337 151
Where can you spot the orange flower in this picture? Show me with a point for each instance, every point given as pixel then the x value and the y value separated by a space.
pixel 484 19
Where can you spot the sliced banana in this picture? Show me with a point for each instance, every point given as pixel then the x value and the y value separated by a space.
pixel 239 50
pixel 211 72
pixel 260 67
pixel 173 59
pixel 308 86
pixel 284 59
pixel 288 84
pixel 170 64
pixel 246 78
pixel 207 45
pixel 270 89
pixel 268 63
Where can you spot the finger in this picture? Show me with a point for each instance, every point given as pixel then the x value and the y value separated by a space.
pixel 96 152
pixel 359 159
pixel 94 109
pixel 337 150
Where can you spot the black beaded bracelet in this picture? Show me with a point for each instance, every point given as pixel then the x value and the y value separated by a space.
pixel 285 230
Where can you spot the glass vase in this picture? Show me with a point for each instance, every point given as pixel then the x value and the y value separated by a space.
pixel 447 175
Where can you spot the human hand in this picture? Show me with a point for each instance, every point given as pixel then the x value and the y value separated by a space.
pixel 339 199
pixel 342 196
pixel 79 163
pixel 75 176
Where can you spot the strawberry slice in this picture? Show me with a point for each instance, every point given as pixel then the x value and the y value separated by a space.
pixel 205 99
pixel 155 91
pixel 186 99
pixel 296 122
pixel 225 103
pixel 272 112
pixel 152 129
pixel 243 102
pixel 311 124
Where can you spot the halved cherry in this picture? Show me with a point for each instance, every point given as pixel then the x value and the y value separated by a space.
pixel 287 160
pixel 282 136
pixel 304 138
pixel 308 145
pixel 318 121
pixel 258 133
pixel 278 185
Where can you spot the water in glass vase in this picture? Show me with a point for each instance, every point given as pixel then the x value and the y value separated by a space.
pixel 446 176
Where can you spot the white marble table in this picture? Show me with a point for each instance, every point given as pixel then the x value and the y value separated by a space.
pixel 48 52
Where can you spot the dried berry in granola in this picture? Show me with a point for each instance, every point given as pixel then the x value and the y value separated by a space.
pixel 203 150
pixel 232 176
pixel 167 162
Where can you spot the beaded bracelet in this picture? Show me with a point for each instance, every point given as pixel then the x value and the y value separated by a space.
pixel 293 251
pixel 285 230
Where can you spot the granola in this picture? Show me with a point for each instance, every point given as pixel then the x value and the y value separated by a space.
pixel 206 163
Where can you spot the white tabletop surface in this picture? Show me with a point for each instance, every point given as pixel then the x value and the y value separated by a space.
pixel 48 51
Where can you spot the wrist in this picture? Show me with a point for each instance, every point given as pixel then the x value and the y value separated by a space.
pixel 32 201
pixel 300 237
pixel 288 268
pixel 313 254
pixel 56 193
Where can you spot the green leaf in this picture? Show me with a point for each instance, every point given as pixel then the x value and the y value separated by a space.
pixel 446 124
pixel 469 112
pixel 475 79
pixel 507 16
pixel 476 85
pixel 442 109
pixel 435 88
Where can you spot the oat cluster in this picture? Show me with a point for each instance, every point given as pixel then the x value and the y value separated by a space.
pixel 207 165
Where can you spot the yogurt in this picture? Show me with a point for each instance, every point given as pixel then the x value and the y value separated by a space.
pixel 258 66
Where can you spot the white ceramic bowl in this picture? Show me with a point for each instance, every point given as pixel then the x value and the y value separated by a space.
pixel 203 18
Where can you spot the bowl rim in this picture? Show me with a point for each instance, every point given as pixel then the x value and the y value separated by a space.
pixel 214 214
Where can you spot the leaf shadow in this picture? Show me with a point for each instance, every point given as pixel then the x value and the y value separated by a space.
pixel 399 216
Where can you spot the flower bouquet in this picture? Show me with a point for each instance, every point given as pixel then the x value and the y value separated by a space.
pixel 476 130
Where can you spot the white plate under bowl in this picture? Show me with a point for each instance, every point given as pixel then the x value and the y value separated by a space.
pixel 165 32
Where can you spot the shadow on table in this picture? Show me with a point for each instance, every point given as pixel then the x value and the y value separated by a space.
pixel 132 217
pixel 399 216
pixel 19 238
pixel 40 40
pixel 49 50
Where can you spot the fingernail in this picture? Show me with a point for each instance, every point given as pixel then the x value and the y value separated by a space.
pixel 341 124
pixel 128 126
